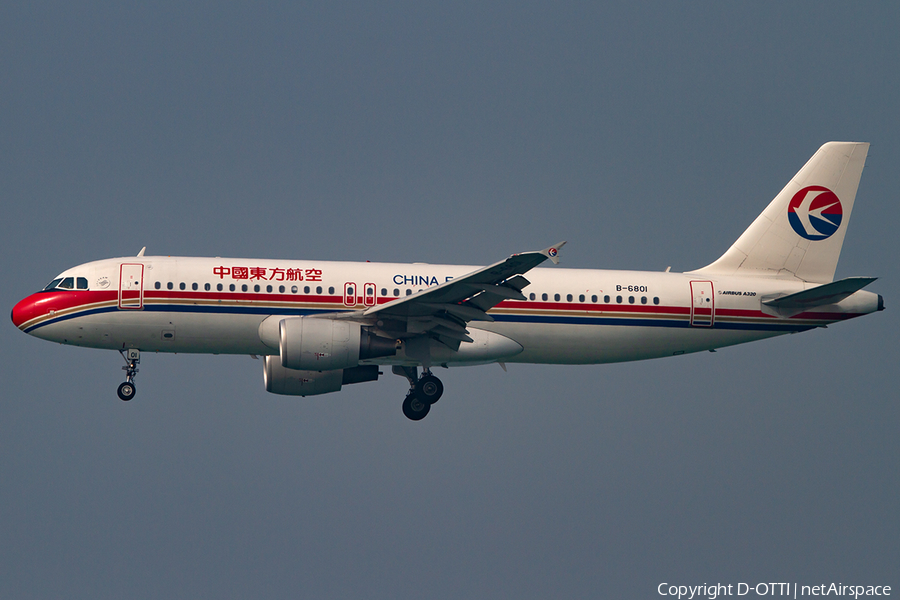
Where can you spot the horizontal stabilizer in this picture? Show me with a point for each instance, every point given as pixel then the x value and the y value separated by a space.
pixel 830 293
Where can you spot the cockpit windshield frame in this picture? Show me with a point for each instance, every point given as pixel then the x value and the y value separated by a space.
pixel 67 284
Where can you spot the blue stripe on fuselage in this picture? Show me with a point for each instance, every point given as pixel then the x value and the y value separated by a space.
pixel 633 322
pixel 507 318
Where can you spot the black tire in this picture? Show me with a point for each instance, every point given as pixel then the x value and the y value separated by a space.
pixel 429 388
pixel 414 409
pixel 126 391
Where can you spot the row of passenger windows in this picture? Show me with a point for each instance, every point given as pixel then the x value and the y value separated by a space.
pixel 294 289
pixel 81 283
pixel 594 299
pixel 244 288
pixel 384 292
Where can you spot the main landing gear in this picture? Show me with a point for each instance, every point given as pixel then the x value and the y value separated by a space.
pixel 423 392
pixel 132 358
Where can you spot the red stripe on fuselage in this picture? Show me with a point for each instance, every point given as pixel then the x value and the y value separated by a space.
pixel 572 306
pixel 41 303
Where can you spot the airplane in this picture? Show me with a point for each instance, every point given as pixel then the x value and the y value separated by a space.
pixel 320 325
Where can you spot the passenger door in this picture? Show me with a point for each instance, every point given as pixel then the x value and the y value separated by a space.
pixel 131 286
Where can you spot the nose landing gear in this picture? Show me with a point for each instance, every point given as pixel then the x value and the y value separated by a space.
pixel 423 392
pixel 132 358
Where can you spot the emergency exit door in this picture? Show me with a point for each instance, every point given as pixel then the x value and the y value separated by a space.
pixel 131 286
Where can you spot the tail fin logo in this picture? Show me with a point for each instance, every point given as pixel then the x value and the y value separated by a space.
pixel 815 213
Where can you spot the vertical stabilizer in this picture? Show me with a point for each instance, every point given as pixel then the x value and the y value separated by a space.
pixel 800 233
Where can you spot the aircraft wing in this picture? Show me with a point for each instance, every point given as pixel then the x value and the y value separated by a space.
pixel 444 310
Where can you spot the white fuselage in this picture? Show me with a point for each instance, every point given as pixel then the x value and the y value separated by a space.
pixel 570 316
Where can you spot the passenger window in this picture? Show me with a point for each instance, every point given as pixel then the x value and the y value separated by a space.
pixel 396 292
pixel 569 298
pixel 619 299
pixel 268 288
pixel 170 285
pixel 384 291
pixel 231 287
pixel 81 283
pixel 194 286
pixel 409 292
pixel 219 287
pixel 206 287
pixel 281 289
pixel 319 289
pixel 244 287
pixel 606 299
pixel 157 285
pixel 349 291
pixel 306 289
pixel 656 301
pixel 556 297
pixel 256 288
pixel 630 299
pixel 594 299
pixel 181 286
pixel 544 297
pixel 531 296
pixel 294 289
pixel 330 291
pixel 581 298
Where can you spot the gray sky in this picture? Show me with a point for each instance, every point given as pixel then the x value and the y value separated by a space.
pixel 647 135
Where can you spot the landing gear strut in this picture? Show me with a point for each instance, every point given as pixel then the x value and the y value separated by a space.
pixel 132 358
pixel 423 391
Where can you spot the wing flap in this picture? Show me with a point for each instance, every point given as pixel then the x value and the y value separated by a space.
pixel 501 291
pixel 452 334
pixel 464 312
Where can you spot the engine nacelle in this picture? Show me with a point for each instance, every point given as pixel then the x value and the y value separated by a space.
pixel 327 344
pixel 293 382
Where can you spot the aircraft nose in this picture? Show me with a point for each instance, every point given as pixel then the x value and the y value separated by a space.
pixel 24 310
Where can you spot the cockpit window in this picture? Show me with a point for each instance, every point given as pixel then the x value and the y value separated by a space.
pixel 67 283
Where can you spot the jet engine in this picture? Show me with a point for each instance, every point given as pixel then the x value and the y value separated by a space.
pixel 293 382
pixel 326 344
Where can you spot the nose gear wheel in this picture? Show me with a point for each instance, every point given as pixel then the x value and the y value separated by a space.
pixel 127 390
